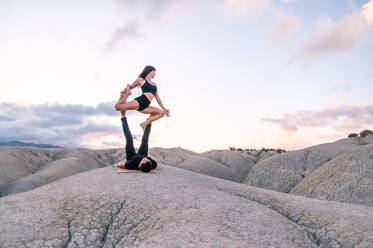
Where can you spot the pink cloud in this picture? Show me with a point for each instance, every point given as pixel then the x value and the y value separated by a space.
pixel 285 25
pixel 338 36
pixel 341 119
pixel 331 37
pixel 248 8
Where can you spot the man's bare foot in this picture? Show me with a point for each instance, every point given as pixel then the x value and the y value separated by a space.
pixel 143 126
pixel 121 165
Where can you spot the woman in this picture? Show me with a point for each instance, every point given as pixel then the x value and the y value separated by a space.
pixel 142 102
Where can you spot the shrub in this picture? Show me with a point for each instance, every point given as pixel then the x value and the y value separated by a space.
pixel 280 151
pixel 365 133
pixel 352 135
pixel 232 148
pixel 239 149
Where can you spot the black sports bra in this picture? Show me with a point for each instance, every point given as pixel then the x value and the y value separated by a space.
pixel 148 88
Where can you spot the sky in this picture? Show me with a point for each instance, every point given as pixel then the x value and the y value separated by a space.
pixel 234 73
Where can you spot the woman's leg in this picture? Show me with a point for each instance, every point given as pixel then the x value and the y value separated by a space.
pixel 155 114
pixel 122 99
pixel 122 105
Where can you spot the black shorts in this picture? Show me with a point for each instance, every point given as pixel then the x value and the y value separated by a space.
pixel 143 102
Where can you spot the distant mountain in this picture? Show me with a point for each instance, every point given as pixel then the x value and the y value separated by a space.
pixel 20 143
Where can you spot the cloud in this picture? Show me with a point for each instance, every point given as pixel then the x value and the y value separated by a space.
pixel 144 13
pixel 127 31
pixel 248 8
pixel 367 11
pixel 112 143
pixel 285 25
pixel 331 37
pixel 337 36
pixel 342 118
pixel 5 118
pixel 66 125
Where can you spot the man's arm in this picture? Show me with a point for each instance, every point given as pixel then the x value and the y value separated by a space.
pixel 133 164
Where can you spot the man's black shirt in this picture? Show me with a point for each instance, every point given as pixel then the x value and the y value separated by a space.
pixel 133 163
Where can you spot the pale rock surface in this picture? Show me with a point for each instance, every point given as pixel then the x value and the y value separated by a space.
pixel 26 168
pixel 175 208
pixel 284 171
pixel 346 178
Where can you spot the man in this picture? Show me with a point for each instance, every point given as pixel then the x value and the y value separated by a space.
pixel 140 160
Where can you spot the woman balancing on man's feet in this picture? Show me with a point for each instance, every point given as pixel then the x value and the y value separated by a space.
pixel 140 160
pixel 142 102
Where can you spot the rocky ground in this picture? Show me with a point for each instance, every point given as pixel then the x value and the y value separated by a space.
pixel 320 196
pixel 175 208
pixel 26 168
pixel 341 171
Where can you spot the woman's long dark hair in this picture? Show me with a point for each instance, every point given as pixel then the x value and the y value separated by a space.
pixel 146 71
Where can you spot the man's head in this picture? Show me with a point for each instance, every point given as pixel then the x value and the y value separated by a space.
pixel 145 165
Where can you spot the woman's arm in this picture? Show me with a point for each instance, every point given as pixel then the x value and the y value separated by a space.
pixel 161 104
pixel 133 85
pixel 136 83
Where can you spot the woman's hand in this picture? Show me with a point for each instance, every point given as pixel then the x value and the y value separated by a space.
pixel 126 91
pixel 166 112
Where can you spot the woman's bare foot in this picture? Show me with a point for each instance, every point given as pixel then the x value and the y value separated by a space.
pixel 122 99
pixel 143 126
pixel 121 165
pixel 127 91
pixel 124 95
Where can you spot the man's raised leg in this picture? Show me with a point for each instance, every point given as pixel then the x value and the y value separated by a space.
pixel 130 150
pixel 145 139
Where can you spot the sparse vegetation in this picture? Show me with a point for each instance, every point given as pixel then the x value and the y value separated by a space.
pixel 351 135
pixel 261 150
pixel 365 133
pixel 280 150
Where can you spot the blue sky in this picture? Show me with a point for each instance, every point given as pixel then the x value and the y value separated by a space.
pixel 244 73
